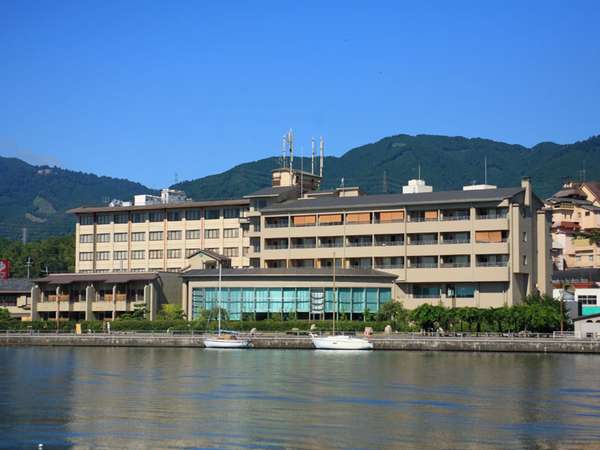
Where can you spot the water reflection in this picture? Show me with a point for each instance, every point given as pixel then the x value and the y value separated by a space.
pixel 144 398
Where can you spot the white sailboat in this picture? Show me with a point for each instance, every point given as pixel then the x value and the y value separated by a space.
pixel 227 340
pixel 340 342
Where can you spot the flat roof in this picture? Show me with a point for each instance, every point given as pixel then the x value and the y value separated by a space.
pixel 274 191
pixel 395 200
pixel 112 277
pixel 182 205
pixel 290 272
pixel 15 286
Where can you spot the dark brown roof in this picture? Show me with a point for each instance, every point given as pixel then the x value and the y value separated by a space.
pixel 183 205
pixel 214 255
pixel 115 277
pixel 291 272
pixel 593 186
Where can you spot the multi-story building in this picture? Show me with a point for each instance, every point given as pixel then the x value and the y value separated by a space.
pixel 159 236
pixel 575 213
pixel 481 246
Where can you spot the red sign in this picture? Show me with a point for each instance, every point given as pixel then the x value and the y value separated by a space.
pixel 4 269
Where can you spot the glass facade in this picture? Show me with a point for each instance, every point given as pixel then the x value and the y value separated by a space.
pixel 287 300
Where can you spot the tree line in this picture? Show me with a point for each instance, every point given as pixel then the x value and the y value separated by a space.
pixel 52 255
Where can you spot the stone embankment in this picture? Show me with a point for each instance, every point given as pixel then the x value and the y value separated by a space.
pixel 406 342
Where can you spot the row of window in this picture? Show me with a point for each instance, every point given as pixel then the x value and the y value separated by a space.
pixel 383 217
pixel 174 235
pixel 173 253
pixel 159 216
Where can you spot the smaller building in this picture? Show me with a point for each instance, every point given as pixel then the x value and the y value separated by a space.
pixel 82 296
pixel 587 326
pixel 15 295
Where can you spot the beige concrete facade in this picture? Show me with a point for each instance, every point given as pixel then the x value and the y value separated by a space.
pixel 161 237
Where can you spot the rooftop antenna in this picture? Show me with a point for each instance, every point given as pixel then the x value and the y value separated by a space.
pixel 312 157
pixel 485 169
pixel 283 145
pixel 301 171
pixel 176 178
pixel 385 182
pixel 419 170
pixel 291 144
pixel 28 264
pixel 322 150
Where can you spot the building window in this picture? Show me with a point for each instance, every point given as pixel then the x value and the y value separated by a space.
pixel 174 216
pixel 138 254
pixel 120 237
pixel 231 232
pixel 174 235
pixel 86 219
pixel 212 214
pixel 231 213
pixel 139 217
pixel 192 234
pixel 102 256
pixel 231 252
pixel 86 238
pixel 86 256
pixel 156 235
pixel 211 234
pixel 156 216
pixel 587 299
pixel 155 254
pixel 120 255
pixel 103 219
pixel 103 237
pixel 121 218
pixel 138 236
pixel 524 260
pixel 193 214
pixel 191 251
pixel 173 253
pixel 524 236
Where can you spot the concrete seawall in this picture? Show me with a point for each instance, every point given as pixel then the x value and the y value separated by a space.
pixel 276 341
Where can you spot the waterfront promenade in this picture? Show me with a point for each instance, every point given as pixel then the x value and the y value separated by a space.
pixel 398 342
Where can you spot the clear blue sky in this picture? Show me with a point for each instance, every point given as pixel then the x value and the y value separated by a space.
pixel 144 90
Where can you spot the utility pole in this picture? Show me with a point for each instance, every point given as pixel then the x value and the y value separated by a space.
pixel 24 235
pixel 28 263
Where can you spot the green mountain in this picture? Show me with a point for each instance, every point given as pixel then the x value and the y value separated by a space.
pixel 37 197
pixel 445 162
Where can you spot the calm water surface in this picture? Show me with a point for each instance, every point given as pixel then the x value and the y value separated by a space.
pixel 172 398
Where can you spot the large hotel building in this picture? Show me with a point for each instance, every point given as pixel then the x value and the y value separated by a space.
pixel 479 246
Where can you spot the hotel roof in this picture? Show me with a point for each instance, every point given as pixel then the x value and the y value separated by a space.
pixel 15 286
pixel 114 277
pixel 182 205
pixel 395 200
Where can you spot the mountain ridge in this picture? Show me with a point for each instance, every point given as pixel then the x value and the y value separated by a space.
pixel 37 197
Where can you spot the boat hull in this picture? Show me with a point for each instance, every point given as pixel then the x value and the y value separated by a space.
pixel 221 343
pixel 341 343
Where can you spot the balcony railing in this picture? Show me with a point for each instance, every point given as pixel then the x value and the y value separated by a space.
pixel 331 244
pixel 491 216
pixel 492 264
pixel 389 266
pixel 276 225
pixel 388 243
pixel 454 265
pixel 330 224
pixel 459 217
pixel 503 240
pixel 422 219
pixel 276 247
pixel 423 242
pixel 424 265
pixel 377 221
pixel 312 245
pixel 455 241
pixel 360 222
pixel 359 244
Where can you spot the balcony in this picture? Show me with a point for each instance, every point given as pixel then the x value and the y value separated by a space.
pixel 492 264
pixel 388 243
pixel 389 266
pixel 59 298
pixel 330 244
pixel 423 242
pixel 304 245
pixel 276 247
pixel 455 241
pixel 424 265
pixel 276 225
pixel 359 244
pixel 455 218
pixel 491 216
pixel 455 265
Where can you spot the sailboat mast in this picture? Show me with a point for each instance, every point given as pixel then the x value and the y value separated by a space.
pixel 334 296
pixel 219 296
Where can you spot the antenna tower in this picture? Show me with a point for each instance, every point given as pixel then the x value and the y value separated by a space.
pixel 385 182
pixel 312 157
pixel 322 150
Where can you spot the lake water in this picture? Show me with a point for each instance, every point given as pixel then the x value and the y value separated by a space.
pixel 172 398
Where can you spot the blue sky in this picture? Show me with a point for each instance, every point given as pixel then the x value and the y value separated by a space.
pixel 144 90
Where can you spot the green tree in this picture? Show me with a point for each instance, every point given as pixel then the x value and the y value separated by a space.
pixel 169 311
